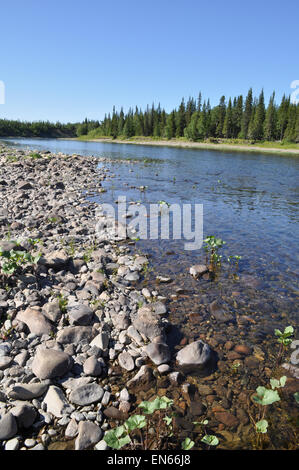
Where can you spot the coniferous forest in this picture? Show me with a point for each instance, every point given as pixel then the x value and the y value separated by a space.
pixel 248 118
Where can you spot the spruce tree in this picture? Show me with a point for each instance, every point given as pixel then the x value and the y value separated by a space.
pixel 259 118
pixel 270 125
pixel 247 114
pixel 228 121
pixel 181 120
pixel 220 116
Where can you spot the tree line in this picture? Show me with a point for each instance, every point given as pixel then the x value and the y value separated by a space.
pixel 12 128
pixel 243 118
pixel 238 118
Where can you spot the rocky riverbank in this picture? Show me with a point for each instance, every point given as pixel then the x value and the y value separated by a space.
pixel 81 342
pixel 69 313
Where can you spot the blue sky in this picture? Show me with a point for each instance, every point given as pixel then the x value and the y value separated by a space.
pixel 68 59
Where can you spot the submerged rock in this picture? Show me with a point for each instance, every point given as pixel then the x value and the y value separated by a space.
pixel 195 356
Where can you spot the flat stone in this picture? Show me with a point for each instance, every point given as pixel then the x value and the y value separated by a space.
pixel 75 334
pixel 12 444
pixel 80 314
pixel 52 311
pixel 220 312
pixel 126 361
pixel 89 434
pixel 27 391
pixel 49 363
pixel 5 362
pixel 86 394
pixel 57 403
pixel 72 429
pixel 101 341
pixel 56 260
pixel 114 413
pixel 35 321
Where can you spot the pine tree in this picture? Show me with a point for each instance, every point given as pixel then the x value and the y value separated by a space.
pixel 170 129
pixel 181 120
pixel 191 131
pixel 270 125
pixel 282 116
pixel 247 115
pixel 220 116
pixel 259 118
pixel 228 121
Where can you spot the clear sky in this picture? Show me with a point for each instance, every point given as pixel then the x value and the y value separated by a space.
pixel 69 59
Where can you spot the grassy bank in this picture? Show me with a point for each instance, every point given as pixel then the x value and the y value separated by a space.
pixel 216 144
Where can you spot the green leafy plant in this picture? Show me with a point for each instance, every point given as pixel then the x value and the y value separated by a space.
pixel 14 260
pixel 284 339
pixel 123 435
pixel 210 440
pixel 187 444
pixel 262 426
pixel 212 246
pixel 278 383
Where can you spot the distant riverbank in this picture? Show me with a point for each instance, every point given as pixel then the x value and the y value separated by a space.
pixel 263 147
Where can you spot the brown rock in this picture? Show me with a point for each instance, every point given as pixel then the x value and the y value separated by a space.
pixel 114 413
pixel 243 349
pixel 227 418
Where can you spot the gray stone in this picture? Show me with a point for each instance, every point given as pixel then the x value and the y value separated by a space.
pixel 80 314
pixel 198 270
pixel 5 362
pixel 101 341
pixel 196 354
pixel 92 367
pixel 72 429
pixel 8 427
pixel 49 363
pixel 126 361
pixel 57 403
pixel 75 334
pixel 27 391
pixel 148 323
pixel 25 415
pixel 158 353
pixel 86 394
pixel 52 311
pixel 35 321
pixel 88 434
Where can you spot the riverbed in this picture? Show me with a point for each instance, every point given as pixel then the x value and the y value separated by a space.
pixel 251 202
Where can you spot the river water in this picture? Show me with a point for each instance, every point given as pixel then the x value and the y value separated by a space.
pixel 250 200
